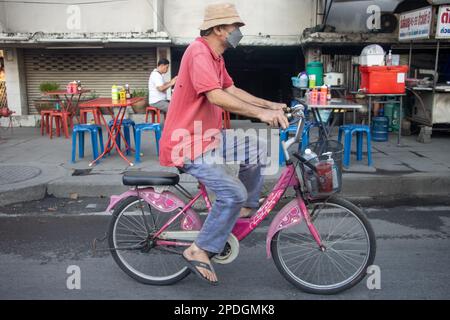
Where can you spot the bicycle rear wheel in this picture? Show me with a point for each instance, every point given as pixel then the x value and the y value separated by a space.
pixel 349 242
pixel 130 240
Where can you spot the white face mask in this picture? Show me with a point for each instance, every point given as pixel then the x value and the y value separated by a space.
pixel 234 37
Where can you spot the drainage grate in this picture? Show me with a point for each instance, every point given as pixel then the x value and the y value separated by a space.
pixel 14 174
pixel 81 172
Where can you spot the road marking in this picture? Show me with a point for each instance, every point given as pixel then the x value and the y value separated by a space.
pixel 58 215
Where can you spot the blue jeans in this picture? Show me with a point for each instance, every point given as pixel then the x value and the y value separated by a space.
pixel 232 193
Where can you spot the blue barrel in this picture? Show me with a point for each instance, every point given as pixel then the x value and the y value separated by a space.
pixel 380 128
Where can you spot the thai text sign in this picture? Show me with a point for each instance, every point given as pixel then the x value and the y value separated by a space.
pixel 443 23
pixel 415 24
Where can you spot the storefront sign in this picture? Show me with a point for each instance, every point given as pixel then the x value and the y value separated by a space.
pixel 443 23
pixel 415 24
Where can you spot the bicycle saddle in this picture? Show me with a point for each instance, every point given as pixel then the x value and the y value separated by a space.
pixel 143 178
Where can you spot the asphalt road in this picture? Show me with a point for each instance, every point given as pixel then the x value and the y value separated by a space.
pixel 40 240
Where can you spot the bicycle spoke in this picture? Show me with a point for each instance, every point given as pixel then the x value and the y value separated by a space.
pixel 144 259
pixel 346 249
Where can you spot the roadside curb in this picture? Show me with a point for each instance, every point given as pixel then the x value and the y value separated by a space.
pixel 357 187
pixel 32 189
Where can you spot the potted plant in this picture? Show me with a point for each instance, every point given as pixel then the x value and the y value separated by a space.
pixel 140 106
pixel 45 104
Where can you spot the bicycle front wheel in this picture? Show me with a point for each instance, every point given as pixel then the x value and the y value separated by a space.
pixel 132 246
pixel 349 248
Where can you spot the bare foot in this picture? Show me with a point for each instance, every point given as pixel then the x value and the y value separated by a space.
pixel 245 212
pixel 195 253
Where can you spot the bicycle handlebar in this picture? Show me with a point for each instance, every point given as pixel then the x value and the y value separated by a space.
pixel 296 113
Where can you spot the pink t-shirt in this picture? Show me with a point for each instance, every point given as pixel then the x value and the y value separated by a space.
pixel 201 70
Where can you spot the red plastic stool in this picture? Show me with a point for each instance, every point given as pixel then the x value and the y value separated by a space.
pixel 95 112
pixel 45 121
pixel 62 120
pixel 156 113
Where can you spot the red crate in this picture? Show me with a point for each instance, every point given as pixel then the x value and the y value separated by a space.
pixel 383 79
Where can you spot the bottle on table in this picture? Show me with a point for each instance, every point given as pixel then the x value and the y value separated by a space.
pixel 323 93
pixel 389 58
pixel 312 80
pixel 127 91
pixel 79 85
pixel 314 95
pixel 122 94
pixel 114 93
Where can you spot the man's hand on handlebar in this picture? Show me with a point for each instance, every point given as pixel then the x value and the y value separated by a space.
pixel 277 106
pixel 275 118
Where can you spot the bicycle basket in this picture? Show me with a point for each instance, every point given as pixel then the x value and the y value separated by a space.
pixel 323 176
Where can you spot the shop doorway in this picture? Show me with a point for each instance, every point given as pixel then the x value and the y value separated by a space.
pixel 262 71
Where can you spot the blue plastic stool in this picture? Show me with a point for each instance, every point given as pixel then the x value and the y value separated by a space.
pixel 79 130
pixel 137 137
pixel 284 135
pixel 126 124
pixel 348 131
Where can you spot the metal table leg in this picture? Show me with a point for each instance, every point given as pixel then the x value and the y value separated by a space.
pixel 318 118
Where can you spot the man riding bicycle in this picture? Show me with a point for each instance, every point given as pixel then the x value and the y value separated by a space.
pixel 192 133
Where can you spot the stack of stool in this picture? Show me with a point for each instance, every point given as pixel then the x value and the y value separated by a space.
pixel 348 131
pixel 45 121
pixel 79 130
pixel 63 119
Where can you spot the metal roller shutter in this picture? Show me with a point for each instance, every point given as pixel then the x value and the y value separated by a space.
pixel 97 69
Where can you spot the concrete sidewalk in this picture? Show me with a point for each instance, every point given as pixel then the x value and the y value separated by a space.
pixel 33 166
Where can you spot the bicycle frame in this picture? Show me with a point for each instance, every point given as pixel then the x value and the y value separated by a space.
pixel 291 214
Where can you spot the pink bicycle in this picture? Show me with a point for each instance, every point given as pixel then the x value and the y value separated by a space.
pixel 319 241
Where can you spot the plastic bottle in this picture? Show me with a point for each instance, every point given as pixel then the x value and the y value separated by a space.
pixel 122 94
pixel 314 95
pixel 127 91
pixel 323 93
pixel 334 171
pixel 389 58
pixel 329 93
pixel 114 93
pixel 310 156
pixel 312 80
pixel 312 183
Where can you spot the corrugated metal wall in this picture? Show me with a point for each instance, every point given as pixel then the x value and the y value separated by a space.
pixel 97 69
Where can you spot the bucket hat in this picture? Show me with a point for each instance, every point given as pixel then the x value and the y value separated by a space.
pixel 220 13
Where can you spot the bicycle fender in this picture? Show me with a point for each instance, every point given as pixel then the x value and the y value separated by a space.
pixel 164 202
pixel 288 216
